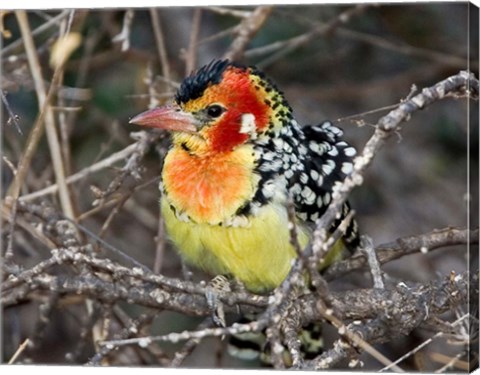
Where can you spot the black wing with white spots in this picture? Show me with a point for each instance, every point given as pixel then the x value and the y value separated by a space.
pixel 328 160
pixel 308 162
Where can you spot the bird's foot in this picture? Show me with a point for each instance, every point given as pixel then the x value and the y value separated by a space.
pixel 218 286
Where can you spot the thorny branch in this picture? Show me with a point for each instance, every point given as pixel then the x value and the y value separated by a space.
pixel 108 282
pixel 394 311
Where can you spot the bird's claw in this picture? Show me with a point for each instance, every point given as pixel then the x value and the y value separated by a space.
pixel 215 288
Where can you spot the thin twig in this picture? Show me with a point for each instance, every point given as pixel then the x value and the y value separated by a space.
pixel 319 250
pixel 367 247
pixel 64 134
pixel 188 335
pixel 105 163
pixel 161 49
pixel 451 361
pixel 386 126
pixel 13 220
pixel 44 102
pixel 44 26
pixel 229 11
pixel 19 351
pixel 437 239
pixel 272 334
pixel 27 226
pixel 246 30
pixel 116 209
pixel 160 248
pixel 406 49
pixel 403 48
pixel 423 344
pixel 191 55
pixel 292 223
pixel 190 345
pixel 219 35
pixel 124 35
pixel 13 118
pixel 292 44
pixel 144 216
pixel 355 339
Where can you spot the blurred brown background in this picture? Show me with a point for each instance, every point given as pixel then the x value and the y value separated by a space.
pixel 416 184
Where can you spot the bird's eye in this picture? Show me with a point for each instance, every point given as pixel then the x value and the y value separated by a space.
pixel 215 110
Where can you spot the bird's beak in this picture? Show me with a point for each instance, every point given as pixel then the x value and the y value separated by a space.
pixel 169 118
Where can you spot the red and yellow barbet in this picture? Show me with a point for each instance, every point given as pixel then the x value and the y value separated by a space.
pixel 237 155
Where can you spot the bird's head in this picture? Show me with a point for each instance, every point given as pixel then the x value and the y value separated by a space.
pixel 220 107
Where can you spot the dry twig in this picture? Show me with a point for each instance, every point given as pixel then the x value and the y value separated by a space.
pixel 246 30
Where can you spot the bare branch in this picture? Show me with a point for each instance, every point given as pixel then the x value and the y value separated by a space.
pixel 397 311
pixel 461 83
pixel 44 106
pixel 437 239
pixel 19 351
pixel 246 30
pixel 367 247
pixel 280 49
pixel 145 140
pixel 54 21
pixel 425 343
pixel 353 338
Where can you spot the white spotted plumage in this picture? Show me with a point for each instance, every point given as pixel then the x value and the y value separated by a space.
pixel 312 159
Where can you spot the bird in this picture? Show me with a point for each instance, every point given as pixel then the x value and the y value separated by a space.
pixel 237 156
pixel 238 159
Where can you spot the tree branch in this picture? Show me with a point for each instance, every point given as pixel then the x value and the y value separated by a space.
pixel 434 240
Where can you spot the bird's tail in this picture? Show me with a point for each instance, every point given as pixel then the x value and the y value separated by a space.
pixel 254 346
